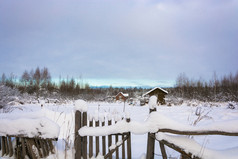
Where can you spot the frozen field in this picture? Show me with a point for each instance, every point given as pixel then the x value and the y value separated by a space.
pixel 64 116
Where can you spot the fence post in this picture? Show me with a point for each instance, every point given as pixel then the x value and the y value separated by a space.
pixel 103 141
pixel 129 142
pixel 84 139
pixel 3 145
pixel 10 147
pixel 90 139
pixel 23 147
pixel 123 147
pixel 109 138
pixel 116 140
pixel 97 139
pixel 77 138
pixel 150 143
pixel 7 146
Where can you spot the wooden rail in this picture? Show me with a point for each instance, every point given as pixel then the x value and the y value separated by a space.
pixel 184 154
pixel 198 132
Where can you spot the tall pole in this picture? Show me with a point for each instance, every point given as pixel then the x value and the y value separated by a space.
pixel 124 108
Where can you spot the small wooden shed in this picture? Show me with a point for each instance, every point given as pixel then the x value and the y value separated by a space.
pixel 122 96
pixel 158 92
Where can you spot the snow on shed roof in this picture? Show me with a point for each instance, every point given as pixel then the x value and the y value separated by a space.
pixel 155 89
pixel 124 94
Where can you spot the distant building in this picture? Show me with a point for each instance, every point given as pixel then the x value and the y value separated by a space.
pixel 158 92
pixel 122 96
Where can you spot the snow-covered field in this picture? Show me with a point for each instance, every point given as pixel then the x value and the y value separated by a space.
pixel 63 115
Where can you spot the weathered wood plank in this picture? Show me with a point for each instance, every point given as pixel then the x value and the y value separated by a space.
pixel 51 146
pixel 6 146
pixel 17 149
pixel 103 142
pixel 46 147
pixel 43 148
pixel 177 148
pixel 35 137
pixel 84 145
pixel 129 146
pixel 109 140
pixel 123 148
pixel 150 146
pixel 128 142
pixel 23 147
pixel 3 146
pixel 197 132
pixel 97 139
pixel 162 149
pixel 150 142
pixel 90 142
pixel 31 153
pixel 117 148
pixel 77 138
pixel 10 146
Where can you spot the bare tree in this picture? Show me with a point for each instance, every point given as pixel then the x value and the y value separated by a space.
pixel 3 79
pixel 215 83
pixel 181 83
pixel 45 76
pixel 37 76
pixel 25 78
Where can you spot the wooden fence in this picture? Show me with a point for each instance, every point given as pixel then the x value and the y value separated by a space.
pixel 184 154
pixel 105 145
pixel 32 147
pixel 120 144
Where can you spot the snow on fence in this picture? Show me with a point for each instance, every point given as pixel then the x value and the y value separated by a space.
pixel 157 126
pixel 89 143
pixel 27 136
pixel 188 147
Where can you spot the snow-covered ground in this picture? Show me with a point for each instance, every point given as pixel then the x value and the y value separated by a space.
pixel 63 115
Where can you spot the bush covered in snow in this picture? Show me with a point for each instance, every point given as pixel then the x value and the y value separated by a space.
pixel 7 95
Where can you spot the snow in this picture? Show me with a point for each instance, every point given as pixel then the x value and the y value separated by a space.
pixel 81 105
pixel 179 117
pixel 190 145
pixel 101 117
pixel 155 122
pixel 125 94
pixel 154 89
pixel 29 125
pixel 99 156
pixel 153 102
pixel 112 147
pixel 127 115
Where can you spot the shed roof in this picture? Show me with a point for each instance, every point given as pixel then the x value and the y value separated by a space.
pixel 124 94
pixel 166 92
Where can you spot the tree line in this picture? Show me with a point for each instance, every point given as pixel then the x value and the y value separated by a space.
pixel 223 88
pixel 38 81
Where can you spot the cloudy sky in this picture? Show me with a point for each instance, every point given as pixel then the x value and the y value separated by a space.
pixel 120 39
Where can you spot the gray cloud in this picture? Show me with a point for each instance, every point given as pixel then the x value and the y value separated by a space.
pixel 120 39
